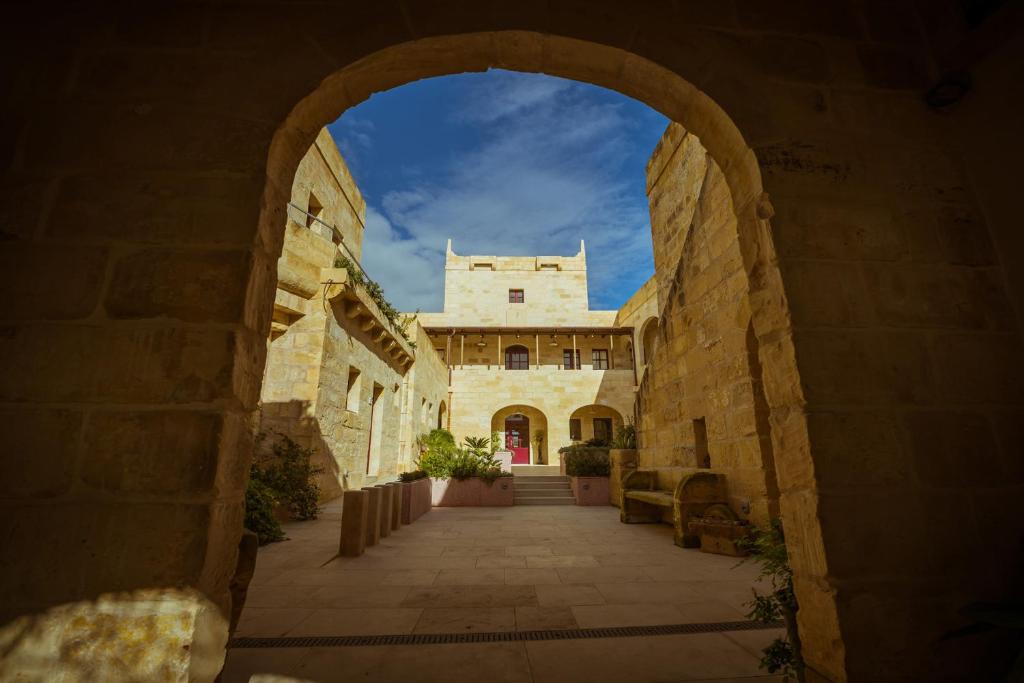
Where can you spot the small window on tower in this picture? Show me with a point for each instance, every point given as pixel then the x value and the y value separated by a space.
pixel 515 296
pixel 314 211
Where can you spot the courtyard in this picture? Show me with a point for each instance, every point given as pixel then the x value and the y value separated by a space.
pixel 496 570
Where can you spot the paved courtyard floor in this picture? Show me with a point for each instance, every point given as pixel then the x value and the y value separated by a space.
pixel 466 570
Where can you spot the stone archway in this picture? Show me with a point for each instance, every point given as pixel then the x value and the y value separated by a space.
pixel 535 423
pixel 135 177
pixel 596 422
pixel 648 337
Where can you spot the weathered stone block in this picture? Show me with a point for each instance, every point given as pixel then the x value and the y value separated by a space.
pixel 152 452
pixel 40 453
pixel 373 514
pixel 50 282
pixel 354 520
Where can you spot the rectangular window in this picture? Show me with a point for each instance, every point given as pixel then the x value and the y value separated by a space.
pixel 354 384
pixel 600 359
pixel 569 362
pixel 575 429
pixel 515 296
pixel 700 442
pixel 603 428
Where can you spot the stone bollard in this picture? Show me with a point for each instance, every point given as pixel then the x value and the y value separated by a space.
pixel 405 488
pixel 396 505
pixel 373 495
pixel 386 493
pixel 354 509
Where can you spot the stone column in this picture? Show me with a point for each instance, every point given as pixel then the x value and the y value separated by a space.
pixel 386 495
pixel 373 500
pixel 354 510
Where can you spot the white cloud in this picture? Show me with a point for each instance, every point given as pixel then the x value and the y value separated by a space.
pixel 545 175
pixel 411 272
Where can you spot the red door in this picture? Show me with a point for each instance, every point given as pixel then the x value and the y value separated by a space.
pixel 517 438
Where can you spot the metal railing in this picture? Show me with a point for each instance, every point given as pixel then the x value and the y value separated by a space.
pixel 334 231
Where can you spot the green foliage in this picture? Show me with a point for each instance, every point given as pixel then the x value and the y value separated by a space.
pixel 436 439
pixel 286 477
pixel 290 473
pixel 442 459
pixel 587 462
pixel 767 547
pixel 478 444
pixel 260 502
pixel 398 322
pixel 413 476
pixel 625 437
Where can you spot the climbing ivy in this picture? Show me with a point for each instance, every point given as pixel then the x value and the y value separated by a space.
pixel 398 322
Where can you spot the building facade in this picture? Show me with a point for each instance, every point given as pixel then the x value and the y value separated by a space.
pixel 527 359
pixel 340 377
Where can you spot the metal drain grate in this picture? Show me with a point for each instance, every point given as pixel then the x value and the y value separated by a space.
pixel 500 637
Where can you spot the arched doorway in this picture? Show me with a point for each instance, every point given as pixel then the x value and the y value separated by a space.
pixel 523 429
pixel 442 414
pixel 517 438
pixel 598 423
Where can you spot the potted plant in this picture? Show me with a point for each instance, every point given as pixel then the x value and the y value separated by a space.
pixel 464 475
pixel 622 458
pixel 588 469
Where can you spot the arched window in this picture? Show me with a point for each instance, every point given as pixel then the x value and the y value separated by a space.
pixel 517 358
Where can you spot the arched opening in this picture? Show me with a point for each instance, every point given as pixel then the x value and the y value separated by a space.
pixel 197 359
pixel 517 357
pixel 522 429
pixel 596 424
pixel 648 337
pixel 442 415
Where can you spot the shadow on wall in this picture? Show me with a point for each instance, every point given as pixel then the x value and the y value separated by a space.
pixel 291 419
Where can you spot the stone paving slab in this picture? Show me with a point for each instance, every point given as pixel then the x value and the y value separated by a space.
pixel 476 570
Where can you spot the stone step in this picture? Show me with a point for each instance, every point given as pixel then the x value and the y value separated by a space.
pixel 544 493
pixel 545 501
pixel 539 478
pixel 541 485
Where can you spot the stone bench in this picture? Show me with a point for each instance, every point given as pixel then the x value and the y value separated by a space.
pixel 643 501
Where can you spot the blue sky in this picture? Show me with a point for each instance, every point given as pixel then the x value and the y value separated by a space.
pixel 503 163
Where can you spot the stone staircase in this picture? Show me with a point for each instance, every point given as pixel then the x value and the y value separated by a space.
pixel 542 490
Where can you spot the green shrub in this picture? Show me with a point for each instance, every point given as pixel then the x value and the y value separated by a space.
pixel 587 462
pixel 290 473
pixel 625 437
pixel 260 503
pixel 413 476
pixel 767 547
pixel 285 476
pixel 442 459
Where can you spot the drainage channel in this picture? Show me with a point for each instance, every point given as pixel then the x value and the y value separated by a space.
pixel 498 637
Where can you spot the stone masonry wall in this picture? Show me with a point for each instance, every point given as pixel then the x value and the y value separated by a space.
pixel 701 369
pixel 147 160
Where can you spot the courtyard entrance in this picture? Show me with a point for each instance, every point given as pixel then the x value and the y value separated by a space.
pixel 517 438
pixel 516 594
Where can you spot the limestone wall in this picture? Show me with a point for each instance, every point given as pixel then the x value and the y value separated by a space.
pixel 323 179
pixel 700 387
pixel 329 382
pixel 641 313
pixel 427 402
pixel 476 292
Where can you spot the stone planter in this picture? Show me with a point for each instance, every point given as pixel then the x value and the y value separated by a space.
pixel 416 499
pixel 472 492
pixel 719 536
pixel 499 494
pixel 590 490
pixel 622 460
